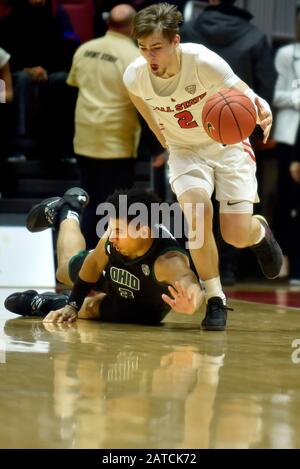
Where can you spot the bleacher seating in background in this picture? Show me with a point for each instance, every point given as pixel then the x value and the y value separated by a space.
pixel 275 17
pixel 33 180
pixel 4 9
pixel 81 13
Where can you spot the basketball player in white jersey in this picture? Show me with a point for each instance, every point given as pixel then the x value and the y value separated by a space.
pixel 169 85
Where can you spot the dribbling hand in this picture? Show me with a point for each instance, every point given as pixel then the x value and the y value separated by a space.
pixel 265 119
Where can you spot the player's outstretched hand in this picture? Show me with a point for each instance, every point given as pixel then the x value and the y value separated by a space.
pixel 265 119
pixel 67 313
pixel 182 301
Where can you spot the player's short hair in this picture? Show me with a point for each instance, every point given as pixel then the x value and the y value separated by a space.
pixel 133 196
pixel 161 17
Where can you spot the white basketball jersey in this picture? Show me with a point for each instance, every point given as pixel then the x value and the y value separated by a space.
pixel 202 74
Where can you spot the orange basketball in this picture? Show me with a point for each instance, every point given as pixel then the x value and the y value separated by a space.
pixel 229 116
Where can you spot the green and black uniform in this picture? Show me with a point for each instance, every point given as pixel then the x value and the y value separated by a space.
pixel 133 292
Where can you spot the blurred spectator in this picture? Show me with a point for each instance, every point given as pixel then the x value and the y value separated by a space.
pixel 5 7
pixel 287 134
pixel 228 31
pixel 71 40
pixel 33 38
pixel 6 95
pixel 6 89
pixel 104 6
pixel 107 126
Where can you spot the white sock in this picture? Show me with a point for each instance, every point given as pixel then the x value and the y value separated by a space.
pixel 262 234
pixel 73 215
pixel 213 287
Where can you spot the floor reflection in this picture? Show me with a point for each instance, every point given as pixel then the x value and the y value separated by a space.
pixel 92 385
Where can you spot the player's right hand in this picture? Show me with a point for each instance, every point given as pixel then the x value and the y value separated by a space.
pixel 265 119
pixel 181 301
pixel 67 313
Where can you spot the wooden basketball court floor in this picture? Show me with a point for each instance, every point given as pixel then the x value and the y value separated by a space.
pixel 95 385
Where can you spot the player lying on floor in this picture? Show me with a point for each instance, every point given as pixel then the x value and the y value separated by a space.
pixel 139 278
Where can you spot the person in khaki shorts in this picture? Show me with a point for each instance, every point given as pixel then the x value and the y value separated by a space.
pixel 107 126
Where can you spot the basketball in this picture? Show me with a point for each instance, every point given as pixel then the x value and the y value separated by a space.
pixel 229 116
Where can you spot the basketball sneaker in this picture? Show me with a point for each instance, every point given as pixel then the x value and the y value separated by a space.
pixel 268 252
pixel 45 214
pixel 31 303
pixel 216 315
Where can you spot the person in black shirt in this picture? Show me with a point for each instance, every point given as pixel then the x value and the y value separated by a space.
pixel 138 268
pixel 43 103
pixel 228 31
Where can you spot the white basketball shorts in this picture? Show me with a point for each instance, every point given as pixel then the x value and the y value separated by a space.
pixel 230 170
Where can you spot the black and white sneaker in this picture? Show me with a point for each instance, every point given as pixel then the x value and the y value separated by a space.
pixel 45 214
pixel 216 315
pixel 268 252
pixel 31 303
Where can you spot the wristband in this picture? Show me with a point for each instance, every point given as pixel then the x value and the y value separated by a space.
pixel 79 292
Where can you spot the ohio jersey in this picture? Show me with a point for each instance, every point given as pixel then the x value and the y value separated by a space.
pixel 133 292
pixel 131 285
pixel 202 74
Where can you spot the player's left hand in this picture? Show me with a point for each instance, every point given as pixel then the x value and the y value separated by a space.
pixel 295 171
pixel 182 302
pixel 67 313
pixel 265 119
pixel 158 161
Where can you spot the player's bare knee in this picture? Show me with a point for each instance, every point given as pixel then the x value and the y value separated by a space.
pixel 239 243
pixel 237 238
pixel 236 226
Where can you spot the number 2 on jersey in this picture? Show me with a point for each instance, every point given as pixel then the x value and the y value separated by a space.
pixel 185 120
